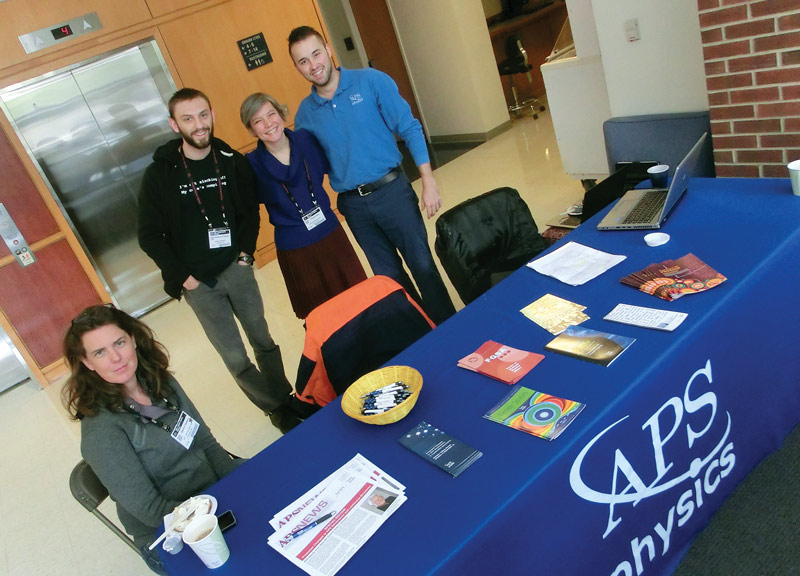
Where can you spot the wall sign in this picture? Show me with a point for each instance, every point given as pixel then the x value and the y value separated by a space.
pixel 254 51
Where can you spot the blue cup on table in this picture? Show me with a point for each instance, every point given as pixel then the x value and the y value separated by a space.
pixel 658 175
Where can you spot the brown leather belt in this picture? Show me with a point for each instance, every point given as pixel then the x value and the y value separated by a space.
pixel 367 189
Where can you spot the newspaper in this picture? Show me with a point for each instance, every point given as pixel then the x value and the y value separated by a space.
pixel 320 531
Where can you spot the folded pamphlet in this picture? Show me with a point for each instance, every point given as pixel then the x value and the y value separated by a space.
pixel 501 362
pixel 672 279
pixel 535 413
pixel 439 448
pixel 590 345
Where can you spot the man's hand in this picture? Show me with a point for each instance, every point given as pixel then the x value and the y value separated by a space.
pixel 191 283
pixel 431 202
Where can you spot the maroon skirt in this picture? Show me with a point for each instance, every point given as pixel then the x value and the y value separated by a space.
pixel 316 273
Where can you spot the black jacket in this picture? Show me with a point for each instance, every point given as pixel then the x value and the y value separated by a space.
pixel 159 209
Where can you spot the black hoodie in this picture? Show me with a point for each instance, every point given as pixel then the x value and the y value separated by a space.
pixel 159 226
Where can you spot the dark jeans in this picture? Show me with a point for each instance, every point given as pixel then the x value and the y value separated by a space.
pixel 387 221
pixel 236 294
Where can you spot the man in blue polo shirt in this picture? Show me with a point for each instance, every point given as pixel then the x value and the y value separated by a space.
pixel 355 115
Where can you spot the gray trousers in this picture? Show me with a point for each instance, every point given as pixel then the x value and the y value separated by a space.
pixel 236 294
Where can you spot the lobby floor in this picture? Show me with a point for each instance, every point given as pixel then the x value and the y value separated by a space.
pixel 44 531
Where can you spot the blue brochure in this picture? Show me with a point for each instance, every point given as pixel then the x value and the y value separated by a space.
pixel 449 454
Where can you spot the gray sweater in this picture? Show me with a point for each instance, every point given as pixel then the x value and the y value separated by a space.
pixel 145 471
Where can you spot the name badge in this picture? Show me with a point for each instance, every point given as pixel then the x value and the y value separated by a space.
pixel 219 238
pixel 185 429
pixel 314 218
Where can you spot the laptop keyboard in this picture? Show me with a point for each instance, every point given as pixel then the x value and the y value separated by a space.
pixel 648 207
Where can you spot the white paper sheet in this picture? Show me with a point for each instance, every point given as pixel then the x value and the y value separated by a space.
pixel 646 317
pixel 575 264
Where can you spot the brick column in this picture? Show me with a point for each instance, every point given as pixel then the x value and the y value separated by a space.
pixel 752 60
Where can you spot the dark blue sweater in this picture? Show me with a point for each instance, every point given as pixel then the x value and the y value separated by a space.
pixel 290 232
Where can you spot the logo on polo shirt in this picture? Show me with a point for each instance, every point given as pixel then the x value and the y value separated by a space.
pixel 355 99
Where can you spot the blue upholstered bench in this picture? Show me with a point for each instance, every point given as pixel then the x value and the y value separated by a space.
pixel 665 138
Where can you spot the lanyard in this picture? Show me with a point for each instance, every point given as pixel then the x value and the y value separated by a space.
pixel 310 190
pixel 134 409
pixel 197 196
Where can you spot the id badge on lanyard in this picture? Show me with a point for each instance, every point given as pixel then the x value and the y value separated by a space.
pixel 219 238
pixel 313 218
pixel 185 430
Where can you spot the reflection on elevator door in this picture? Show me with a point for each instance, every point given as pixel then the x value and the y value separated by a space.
pixel 92 130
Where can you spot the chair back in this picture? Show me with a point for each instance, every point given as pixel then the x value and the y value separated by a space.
pixel 484 238
pixel 90 492
pixel 516 61
pixel 356 332
pixel 664 138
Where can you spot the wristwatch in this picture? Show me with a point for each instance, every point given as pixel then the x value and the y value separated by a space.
pixel 247 259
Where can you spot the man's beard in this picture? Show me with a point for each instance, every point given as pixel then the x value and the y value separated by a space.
pixel 199 144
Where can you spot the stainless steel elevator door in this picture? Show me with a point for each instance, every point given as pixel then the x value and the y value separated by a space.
pixel 92 131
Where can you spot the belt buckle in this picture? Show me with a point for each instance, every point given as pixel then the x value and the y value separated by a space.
pixel 363 193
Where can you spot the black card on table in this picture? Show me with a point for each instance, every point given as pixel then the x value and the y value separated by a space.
pixel 449 454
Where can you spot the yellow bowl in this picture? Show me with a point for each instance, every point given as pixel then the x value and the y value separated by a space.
pixel 352 403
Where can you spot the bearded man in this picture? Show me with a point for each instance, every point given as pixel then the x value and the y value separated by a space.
pixel 199 220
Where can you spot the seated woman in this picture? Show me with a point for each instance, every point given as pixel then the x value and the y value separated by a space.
pixel 129 407
pixel 314 253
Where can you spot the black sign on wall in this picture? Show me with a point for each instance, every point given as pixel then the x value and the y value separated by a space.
pixel 254 51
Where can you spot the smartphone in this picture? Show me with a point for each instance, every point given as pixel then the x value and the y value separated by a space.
pixel 226 520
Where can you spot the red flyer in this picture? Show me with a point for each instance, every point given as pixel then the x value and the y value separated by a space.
pixel 501 362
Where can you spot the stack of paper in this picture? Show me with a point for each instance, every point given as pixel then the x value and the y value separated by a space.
pixel 554 314
pixel 320 531
pixel 671 279
pixel 501 362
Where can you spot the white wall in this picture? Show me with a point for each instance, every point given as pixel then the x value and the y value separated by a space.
pixel 449 56
pixel 339 28
pixel 661 73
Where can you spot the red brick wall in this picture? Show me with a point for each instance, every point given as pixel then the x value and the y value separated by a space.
pixel 752 59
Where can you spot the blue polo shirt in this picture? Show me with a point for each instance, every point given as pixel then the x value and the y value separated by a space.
pixel 357 127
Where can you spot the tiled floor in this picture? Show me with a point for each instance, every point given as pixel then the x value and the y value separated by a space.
pixel 44 532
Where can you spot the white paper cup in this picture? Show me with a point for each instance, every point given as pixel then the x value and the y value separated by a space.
pixel 794 175
pixel 658 175
pixel 203 536
pixel 656 239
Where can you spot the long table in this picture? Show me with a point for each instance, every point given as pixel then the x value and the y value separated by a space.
pixel 669 429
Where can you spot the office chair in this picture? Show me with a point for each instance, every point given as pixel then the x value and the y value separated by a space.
pixel 354 333
pixel 90 492
pixel 484 239
pixel 516 62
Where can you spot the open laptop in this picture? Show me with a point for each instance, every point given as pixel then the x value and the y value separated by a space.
pixel 604 193
pixel 647 209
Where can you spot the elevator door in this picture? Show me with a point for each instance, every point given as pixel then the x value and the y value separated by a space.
pixel 92 130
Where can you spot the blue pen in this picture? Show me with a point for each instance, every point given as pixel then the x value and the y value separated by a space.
pixel 307 527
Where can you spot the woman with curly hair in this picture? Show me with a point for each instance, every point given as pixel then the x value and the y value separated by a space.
pixel 140 433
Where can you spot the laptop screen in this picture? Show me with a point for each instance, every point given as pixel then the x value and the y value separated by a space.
pixel 683 173
pixel 604 193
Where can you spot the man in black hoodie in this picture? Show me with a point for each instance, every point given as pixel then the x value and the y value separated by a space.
pixel 198 220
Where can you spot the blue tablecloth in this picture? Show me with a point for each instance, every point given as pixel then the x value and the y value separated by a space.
pixel 669 429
